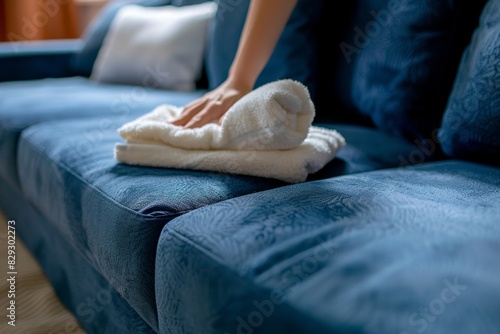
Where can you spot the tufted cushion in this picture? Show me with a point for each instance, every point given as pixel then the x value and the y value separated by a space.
pixel 471 124
pixel 294 56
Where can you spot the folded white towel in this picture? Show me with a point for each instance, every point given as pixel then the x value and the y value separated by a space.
pixel 267 133
pixel 276 116
pixel 293 165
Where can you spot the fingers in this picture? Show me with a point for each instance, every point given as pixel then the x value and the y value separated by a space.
pixel 212 111
pixel 190 111
pixel 211 107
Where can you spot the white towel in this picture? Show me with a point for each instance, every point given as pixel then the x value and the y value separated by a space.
pixel 280 113
pixel 293 165
pixel 267 133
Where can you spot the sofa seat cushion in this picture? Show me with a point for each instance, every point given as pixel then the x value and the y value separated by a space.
pixel 97 306
pixel 26 103
pixel 113 213
pixel 369 149
pixel 392 251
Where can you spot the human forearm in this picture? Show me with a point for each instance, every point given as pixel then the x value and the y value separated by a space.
pixel 264 24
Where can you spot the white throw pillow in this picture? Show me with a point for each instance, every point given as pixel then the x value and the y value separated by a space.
pixel 160 47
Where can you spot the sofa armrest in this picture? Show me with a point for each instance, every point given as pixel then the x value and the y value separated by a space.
pixel 37 59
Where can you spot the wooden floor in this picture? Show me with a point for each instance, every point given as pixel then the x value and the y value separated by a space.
pixel 38 310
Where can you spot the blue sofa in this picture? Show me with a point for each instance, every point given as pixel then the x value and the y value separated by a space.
pixel 400 233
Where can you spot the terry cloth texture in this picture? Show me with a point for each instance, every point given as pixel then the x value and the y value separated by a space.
pixel 267 133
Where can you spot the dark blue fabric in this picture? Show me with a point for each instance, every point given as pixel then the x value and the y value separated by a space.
pixel 394 60
pixel 295 55
pixel 113 213
pixel 405 71
pixel 26 103
pixel 98 307
pixel 471 124
pixel 368 149
pixel 94 35
pixel 37 60
pixel 23 104
pixel 394 251
pixel 180 3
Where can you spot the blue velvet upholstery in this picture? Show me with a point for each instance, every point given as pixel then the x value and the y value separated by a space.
pixel 26 103
pixel 113 213
pixel 361 248
pixel 98 307
pixel 471 124
pixel 394 61
pixel 67 169
pixel 23 104
pixel 294 57
pixel 368 149
pixel 38 59
pixel 394 251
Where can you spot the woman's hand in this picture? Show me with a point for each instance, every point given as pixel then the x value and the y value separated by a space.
pixel 212 106
pixel 263 26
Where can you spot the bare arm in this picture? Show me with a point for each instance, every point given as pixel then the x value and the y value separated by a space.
pixel 264 24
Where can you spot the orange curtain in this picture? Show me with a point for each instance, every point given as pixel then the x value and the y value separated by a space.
pixel 23 20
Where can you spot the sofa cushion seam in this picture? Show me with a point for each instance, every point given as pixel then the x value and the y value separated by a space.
pixel 210 255
pixel 99 191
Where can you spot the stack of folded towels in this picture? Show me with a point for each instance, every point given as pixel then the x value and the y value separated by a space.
pixel 267 133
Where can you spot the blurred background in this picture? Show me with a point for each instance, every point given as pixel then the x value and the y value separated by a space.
pixel 24 20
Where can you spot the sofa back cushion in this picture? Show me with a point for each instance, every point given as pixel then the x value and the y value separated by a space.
pixel 95 34
pixel 471 124
pixel 295 55
pixel 395 60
